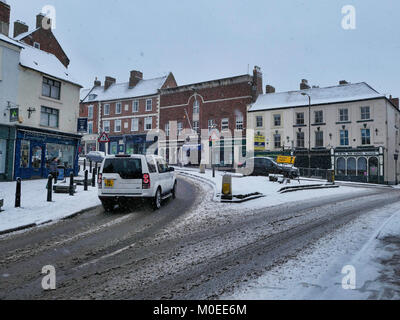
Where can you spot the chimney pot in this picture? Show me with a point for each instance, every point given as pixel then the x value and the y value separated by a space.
pixel 20 28
pixel 4 18
pixel 343 82
pixel 304 84
pixel 269 89
pixel 97 83
pixel 40 23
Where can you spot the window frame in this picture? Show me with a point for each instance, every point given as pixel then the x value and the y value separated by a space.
pixel 225 127
pixel 135 120
pixel 259 120
pixel 48 124
pixel 365 110
pixel 104 126
pixel 115 125
pixel 343 117
pixel 120 108
pixel 135 103
pixel 366 137
pixel 146 123
pixel 275 120
pixel 47 81
pixel 316 116
pixel 147 105
pixel 297 118
pixel 319 137
pixel 108 108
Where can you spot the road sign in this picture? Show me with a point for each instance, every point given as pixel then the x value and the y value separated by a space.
pixel 104 138
pixel 285 159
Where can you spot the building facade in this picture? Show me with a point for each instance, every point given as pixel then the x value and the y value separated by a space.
pixel 349 128
pixel 190 114
pixel 127 112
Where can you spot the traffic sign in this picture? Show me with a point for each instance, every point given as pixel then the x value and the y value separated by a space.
pixel 104 138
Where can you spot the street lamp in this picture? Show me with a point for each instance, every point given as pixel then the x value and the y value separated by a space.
pixel 309 129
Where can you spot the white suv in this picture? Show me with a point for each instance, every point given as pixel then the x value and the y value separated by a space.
pixel 125 177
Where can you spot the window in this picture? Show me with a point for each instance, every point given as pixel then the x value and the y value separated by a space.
pixel 277 120
pixel 117 126
pixel 277 141
pixel 300 139
pixel 148 123
pixel 92 97
pixel 36 45
pixel 365 136
pixel 343 115
pixel 341 167
pixel 362 166
pixel 114 148
pixel 196 126
pixel 319 139
pixel 135 125
pixel 151 164
pixel 225 124
pixel 90 127
pixel 106 126
pixel 259 122
pixel 127 168
pixel 149 105
pixel 319 116
pixel 344 137
pixel 90 112
pixel 167 129
pixel 49 117
pixel 51 88
pixel 351 167
pixel 135 106
pixel 196 107
pixel 106 109
pixel 300 118
pixel 118 108
pixel 211 125
pixel 25 150
pixel 373 165
pixel 65 153
pixel 180 128
pixel 365 113
pixel 239 123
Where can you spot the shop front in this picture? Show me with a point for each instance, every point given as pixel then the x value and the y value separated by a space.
pixel 36 149
pixel 7 141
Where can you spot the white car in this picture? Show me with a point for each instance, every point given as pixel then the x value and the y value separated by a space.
pixel 127 177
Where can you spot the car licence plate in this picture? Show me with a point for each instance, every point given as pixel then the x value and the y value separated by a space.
pixel 109 183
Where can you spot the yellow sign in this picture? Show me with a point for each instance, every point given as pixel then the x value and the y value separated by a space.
pixel 259 143
pixel 285 159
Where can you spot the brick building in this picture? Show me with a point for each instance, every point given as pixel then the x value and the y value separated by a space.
pixel 191 113
pixel 41 37
pixel 125 111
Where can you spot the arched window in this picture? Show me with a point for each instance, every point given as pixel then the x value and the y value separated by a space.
pixel 373 166
pixel 351 167
pixel 341 167
pixel 362 166
pixel 196 107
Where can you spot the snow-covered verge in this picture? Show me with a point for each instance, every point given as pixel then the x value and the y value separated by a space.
pixel 370 244
pixel 34 207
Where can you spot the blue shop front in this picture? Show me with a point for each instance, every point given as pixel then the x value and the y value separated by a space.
pixel 129 144
pixel 36 148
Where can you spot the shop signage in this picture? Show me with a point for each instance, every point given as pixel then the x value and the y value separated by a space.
pixel 285 159
pixel 259 143
pixel 82 125
pixel 14 114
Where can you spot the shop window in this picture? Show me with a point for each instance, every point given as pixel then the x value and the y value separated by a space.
pixel 25 149
pixel 129 148
pixel 373 166
pixel 37 158
pixel 362 166
pixel 114 148
pixel 64 154
pixel 341 167
pixel 351 167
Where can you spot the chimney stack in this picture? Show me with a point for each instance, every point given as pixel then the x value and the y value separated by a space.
pixel 109 82
pixel 4 18
pixel 46 24
pixel 304 84
pixel 269 89
pixel 97 83
pixel 343 82
pixel 135 77
pixel 395 101
pixel 257 82
pixel 20 28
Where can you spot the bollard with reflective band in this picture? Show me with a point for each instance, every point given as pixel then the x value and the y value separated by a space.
pixel 18 194
pixel 50 188
pixel 227 187
pixel 94 173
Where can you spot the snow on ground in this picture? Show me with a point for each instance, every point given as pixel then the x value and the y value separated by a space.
pixel 34 207
pixel 370 244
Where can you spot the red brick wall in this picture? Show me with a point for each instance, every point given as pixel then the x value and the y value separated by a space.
pixel 48 43
pixel 4 13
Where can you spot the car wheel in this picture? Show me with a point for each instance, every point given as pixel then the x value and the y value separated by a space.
pixel 174 191
pixel 157 200
pixel 108 205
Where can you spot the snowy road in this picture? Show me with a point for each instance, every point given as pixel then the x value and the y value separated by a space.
pixel 146 255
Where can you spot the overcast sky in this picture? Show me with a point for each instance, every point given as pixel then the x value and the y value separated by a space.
pixel 203 40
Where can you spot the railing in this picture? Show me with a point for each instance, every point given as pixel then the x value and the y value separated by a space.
pixel 316 173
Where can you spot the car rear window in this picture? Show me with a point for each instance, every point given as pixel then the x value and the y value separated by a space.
pixel 128 168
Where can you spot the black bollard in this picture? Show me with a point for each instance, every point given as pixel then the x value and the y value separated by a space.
pixel 71 184
pixel 50 188
pixel 94 177
pixel 84 164
pixel 85 183
pixel 90 164
pixel 18 194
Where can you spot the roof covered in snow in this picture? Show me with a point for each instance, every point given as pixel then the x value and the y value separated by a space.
pixel 9 40
pixel 336 94
pixel 25 34
pixel 121 91
pixel 44 62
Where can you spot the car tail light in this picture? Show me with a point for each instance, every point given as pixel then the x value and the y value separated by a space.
pixel 100 180
pixel 146 181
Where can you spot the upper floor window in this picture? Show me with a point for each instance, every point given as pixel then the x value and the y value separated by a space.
pixel 319 139
pixel 300 139
pixel 225 124
pixel 259 121
pixel 135 106
pixel 319 116
pixel 36 45
pixel 344 137
pixel 196 126
pixel 148 123
pixel 106 109
pixel 300 118
pixel 196 107
pixel 239 123
pixel 365 136
pixel 90 127
pixel 49 117
pixel 90 112
pixel 344 115
pixel 118 108
pixel 277 120
pixel 135 125
pixel 365 113
pixel 180 128
pixel 149 105
pixel 117 126
pixel 92 97
pixel 167 129
pixel 51 88
pixel 106 126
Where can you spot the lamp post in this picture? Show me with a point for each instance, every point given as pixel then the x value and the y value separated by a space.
pixel 309 130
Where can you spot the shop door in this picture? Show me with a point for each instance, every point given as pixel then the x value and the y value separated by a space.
pixel 3 150
pixel 37 161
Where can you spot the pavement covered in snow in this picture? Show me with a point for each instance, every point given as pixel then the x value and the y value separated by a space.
pixel 34 207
